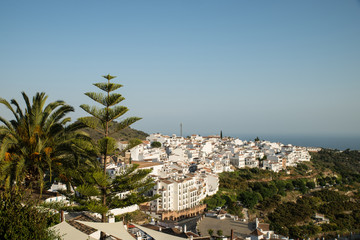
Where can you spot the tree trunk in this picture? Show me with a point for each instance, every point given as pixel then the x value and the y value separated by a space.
pixel 102 236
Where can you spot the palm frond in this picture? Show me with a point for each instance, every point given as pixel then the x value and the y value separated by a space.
pixel 7 104
pixel 57 115
pixel 73 127
pixel 7 123
pixel 27 101
pixel 50 108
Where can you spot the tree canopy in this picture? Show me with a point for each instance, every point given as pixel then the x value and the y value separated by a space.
pixel 38 141
pixel 21 219
pixel 155 144
pixel 131 180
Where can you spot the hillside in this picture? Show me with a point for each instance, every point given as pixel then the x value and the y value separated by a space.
pixel 328 186
pixel 346 163
pixel 123 135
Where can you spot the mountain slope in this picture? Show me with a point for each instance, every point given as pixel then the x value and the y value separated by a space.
pixel 123 135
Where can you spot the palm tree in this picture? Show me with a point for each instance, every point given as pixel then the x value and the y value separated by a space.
pixel 36 141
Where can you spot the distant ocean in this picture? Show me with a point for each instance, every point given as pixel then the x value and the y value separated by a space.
pixel 334 142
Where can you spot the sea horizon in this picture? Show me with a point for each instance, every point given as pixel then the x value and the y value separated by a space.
pixel 331 141
pixel 323 141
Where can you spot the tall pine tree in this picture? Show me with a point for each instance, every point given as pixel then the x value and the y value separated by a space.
pixel 102 119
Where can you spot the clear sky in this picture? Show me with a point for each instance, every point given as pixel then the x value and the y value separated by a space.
pixel 244 67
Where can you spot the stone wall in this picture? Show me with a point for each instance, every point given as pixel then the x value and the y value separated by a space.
pixel 176 215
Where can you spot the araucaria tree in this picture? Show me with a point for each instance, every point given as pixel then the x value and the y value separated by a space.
pixel 103 117
pixel 132 180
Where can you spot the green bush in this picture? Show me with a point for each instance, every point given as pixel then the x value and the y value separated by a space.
pixel 21 219
pixel 155 144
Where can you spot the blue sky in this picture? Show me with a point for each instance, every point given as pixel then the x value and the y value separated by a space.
pixel 244 67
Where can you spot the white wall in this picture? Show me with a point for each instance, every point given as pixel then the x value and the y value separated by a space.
pixel 119 211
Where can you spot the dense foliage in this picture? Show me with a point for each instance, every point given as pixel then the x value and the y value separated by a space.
pixel 20 219
pixel 100 193
pixel 155 144
pixel 289 214
pixel 346 163
pixel 250 189
pixel 296 219
pixel 124 135
pixel 221 200
pixel 137 216
pixel 337 168
pixel 238 179
pixel 38 141
pixel 267 193
pixel 40 145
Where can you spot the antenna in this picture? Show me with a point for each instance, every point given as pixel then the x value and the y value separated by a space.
pixel 180 129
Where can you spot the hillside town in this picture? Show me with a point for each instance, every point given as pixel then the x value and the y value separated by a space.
pixel 185 171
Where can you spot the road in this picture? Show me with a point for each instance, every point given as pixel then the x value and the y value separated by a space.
pixel 241 229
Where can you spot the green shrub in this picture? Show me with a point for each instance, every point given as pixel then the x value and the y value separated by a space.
pixel 21 219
